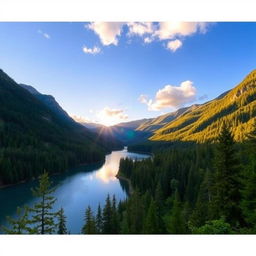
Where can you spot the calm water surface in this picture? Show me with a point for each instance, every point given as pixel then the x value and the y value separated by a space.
pixel 75 190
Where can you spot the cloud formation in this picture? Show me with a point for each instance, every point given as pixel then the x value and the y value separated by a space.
pixel 171 96
pixel 114 113
pixel 174 45
pixel 175 32
pixel 110 116
pixel 80 119
pixel 108 32
pixel 170 30
pixel 45 35
pixel 94 50
pixel 140 28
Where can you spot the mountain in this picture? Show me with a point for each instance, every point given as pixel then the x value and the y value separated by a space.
pixel 49 101
pixel 124 132
pixel 133 124
pixel 107 140
pixel 154 124
pixel 203 122
pixel 34 138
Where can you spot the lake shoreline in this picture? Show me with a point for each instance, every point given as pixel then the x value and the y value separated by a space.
pixel 3 186
pixel 131 189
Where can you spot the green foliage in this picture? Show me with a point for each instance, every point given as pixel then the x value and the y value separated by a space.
pixel 228 183
pixel 152 223
pixel 33 138
pixel 248 203
pixel 39 219
pixel 99 220
pixel 201 123
pixel 175 222
pixel 19 225
pixel 214 227
pixel 44 219
pixel 90 224
pixel 62 229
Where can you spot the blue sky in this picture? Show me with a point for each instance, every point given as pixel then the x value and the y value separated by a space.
pixel 114 72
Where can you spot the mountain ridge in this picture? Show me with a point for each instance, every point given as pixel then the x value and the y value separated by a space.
pixel 236 106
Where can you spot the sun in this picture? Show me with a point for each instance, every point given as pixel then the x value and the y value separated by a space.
pixel 106 121
pixel 111 116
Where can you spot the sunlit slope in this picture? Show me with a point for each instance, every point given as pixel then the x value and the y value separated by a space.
pixel 203 123
pixel 154 124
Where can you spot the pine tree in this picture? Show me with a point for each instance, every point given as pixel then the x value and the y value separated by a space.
pixel 99 220
pixel 62 229
pixel 43 219
pixel 90 225
pixel 175 221
pixel 200 212
pixel 124 224
pixel 107 217
pixel 227 185
pixel 18 225
pixel 115 220
pixel 151 225
pixel 248 202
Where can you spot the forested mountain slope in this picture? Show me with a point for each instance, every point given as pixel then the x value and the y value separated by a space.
pixel 49 101
pixel 201 124
pixel 33 138
pixel 154 124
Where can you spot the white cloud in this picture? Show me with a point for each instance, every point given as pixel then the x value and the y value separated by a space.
pixel 174 45
pixel 45 35
pixel 114 113
pixel 143 98
pixel 170 30
pixel 107 31
pixel 80 119
pixel 171 96
pixel 148 40
pixel 140 28
pixel 110 116
pixel 94 50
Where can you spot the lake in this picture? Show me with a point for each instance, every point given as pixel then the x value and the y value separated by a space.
pixel 75 190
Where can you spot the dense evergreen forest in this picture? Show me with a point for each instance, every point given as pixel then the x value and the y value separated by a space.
pixel 202 122
pixel 198 189
pixel 33 138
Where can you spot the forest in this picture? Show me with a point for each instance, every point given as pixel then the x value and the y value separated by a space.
pixel 33 138
pixel 197 189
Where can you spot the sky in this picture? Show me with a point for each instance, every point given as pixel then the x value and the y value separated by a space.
pixel 110 72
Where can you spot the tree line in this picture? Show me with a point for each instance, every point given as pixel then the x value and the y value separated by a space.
pixel 200 189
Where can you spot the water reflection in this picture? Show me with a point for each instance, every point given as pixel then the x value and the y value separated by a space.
pixel 109 170
pixel 75 190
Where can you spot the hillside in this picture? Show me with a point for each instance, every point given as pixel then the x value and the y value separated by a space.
pixel 154 124
pixel 125 132
pixel 34 138
pixel 203 123
pixel 50 102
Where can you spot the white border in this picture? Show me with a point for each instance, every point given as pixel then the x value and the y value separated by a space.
pixel 127 10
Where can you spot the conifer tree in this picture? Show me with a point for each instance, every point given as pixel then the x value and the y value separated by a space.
pixel 115 220
pixel 124 224
pixel 107 217
pixel 200 212
pixel 62 229
pixel 227 184
pixel 248 202
pixel 175 221
pixel 152 222
pixel 90 225
pixel 43 218
pixel 99 220
pixel 18 225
